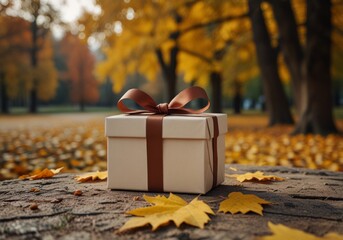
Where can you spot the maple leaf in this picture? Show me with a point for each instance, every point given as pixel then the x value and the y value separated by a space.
pixel 92 176
pixel 256 176
pixel 46 173
pixel 164 210
pixel 239 202
pixel 281 232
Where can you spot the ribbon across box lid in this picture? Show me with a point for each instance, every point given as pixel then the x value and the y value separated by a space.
pixel 174 126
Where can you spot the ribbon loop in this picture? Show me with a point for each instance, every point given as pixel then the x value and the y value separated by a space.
pixel 176 105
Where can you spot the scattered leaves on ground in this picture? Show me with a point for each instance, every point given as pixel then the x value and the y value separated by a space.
pixel 93 176
pixel 46 173
pixel 281 232
pixel 164 210
pixel 239 202
pixel 249 141
pixel 33 143
pixel 256 176
pixel 77 143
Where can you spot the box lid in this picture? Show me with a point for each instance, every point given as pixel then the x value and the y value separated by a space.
pixel 198 126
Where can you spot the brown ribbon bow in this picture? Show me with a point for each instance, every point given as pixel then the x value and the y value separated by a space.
pixel 154 127
pixel 176 105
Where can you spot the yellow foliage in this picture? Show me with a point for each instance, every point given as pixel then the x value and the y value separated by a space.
pixel 239 202
pixel 256 176
pixel 151 28
pixel 46 173
pixel 270 22
pixel 283 69
pixel 164 210
pixel 281 232
pixel 93 176
pixel 299 8
pixel 46 77
pixel 11 79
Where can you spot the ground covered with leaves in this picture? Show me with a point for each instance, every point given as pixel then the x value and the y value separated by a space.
pixel 77 143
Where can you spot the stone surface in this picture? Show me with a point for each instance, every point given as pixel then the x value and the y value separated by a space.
pixel 308 200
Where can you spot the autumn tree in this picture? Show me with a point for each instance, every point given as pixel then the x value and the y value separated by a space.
pixel 41 15
pixel 155 35
pixel 16 72
pixel 13 38
pixel 80 64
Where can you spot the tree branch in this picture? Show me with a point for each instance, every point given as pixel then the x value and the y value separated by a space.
pixel 216 21
pixel 196 54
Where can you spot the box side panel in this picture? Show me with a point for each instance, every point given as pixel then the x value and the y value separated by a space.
pixel 183 169
pixel 127 163
pixel 208 169
pixel 209 162
pixel 221 159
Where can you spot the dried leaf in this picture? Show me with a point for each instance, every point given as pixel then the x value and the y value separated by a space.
pixel 34 206
pixel 56 171
pixel 77 193
pixel 281 232
pixel 239 202
pixel 164 210
pixel 46 173
pixel 34 190
pixel 92 176
pixel 256 176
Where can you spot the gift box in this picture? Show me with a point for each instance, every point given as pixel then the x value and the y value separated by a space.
pixel 187 147
pixel 166 147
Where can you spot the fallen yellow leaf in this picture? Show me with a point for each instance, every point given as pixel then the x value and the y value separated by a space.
pixel 239 202
pixel 46 173
pixel 233 169
pixel 256 176
pixel 56 171
pixel 164 210
pixel 92 176
pixel 281 232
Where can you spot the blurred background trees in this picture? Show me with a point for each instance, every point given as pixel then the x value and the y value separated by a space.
pixel 280 56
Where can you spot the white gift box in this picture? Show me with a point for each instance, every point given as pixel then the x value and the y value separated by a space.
pixel 187 152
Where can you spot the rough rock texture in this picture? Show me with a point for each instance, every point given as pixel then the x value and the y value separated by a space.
pixel 308 200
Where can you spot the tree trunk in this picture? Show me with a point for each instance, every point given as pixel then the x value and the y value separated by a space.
pixel 317 116
pixel 276 100
pixel 82 106
pixel 4 96
pixel 216 101
pixel 34 62
pixel 81 82
pixel 172 74
pixel 237 98
pixel 169 70
pixel 290 46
